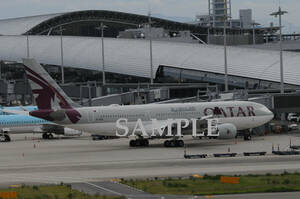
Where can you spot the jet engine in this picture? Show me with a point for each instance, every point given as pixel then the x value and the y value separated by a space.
pixel 227 131
pixel 60 130
pixel 71 132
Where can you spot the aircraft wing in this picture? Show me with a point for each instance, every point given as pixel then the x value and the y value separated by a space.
pixel 38 130
pixel 207 117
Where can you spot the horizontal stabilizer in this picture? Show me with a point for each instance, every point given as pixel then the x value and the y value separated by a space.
pixel 16 112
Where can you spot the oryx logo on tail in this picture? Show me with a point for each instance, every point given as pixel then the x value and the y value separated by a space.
pixel 53 104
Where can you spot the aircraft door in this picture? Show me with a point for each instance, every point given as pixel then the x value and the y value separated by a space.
pixel 91 115
pixel 148 115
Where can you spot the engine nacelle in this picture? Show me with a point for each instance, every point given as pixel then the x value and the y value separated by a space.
pixel 227 131
pixel 71 132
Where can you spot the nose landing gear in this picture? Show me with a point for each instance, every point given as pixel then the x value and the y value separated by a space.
pixel 247 135
pixel 4 137
pixel 47 136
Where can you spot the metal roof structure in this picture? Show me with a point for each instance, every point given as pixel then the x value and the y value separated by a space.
pixel 19 26
pixel 43 24
pixel 131 56
pixel 287 45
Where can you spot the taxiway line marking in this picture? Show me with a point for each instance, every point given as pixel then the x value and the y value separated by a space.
pixel 105 189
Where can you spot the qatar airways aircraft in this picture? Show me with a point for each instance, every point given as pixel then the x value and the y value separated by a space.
pixel 221 119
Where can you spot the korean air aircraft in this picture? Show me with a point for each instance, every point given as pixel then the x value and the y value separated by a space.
pixel 22 124
pixel 17 108
pixel 142 122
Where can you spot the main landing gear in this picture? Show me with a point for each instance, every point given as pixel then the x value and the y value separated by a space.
pixel 247 135
pixel 145 143
pixel 174 143
pixel 47 136
pixel 5 138
pixel 139 143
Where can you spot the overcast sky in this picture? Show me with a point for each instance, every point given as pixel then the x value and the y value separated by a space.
pixel 181 9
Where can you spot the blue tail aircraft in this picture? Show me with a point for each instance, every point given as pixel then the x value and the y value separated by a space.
pixel 22 124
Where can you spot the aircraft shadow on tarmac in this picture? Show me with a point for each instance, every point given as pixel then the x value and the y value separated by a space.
pixel 191 144
pixel 45 140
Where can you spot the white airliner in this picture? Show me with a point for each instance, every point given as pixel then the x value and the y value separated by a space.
pixel 54 105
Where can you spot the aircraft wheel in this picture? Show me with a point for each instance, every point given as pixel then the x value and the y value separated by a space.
pixel 139 143
pixel 7 138
pixel 50 136
pixel 179 143
pixel 247 137
pixel 146 143
pixel 167 143
pixel 173 143
pixel 132 143
pixel 45 136
pixel 2 138
pixel 142 142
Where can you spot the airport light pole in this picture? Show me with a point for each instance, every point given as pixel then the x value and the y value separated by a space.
pixel 62 55
pixel 0 70
pixel 275 14
pixel 254 24
pixel 101 29
pixel 208 33
pixel 225 54
pixel 241 24
pixel 27 44
pixel 150 43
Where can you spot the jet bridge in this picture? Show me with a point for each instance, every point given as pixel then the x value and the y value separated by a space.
pixel 286 103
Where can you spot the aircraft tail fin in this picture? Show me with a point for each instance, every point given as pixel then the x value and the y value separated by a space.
pixel 48 95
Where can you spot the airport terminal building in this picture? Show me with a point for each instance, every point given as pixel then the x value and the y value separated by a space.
pixel 179 56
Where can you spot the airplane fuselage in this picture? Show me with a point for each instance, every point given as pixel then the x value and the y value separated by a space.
pixel 102 120
pixel 20 124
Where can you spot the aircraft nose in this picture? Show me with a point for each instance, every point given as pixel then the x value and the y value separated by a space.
pixel 268 113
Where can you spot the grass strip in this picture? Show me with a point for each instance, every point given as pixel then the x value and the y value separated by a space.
pixel 53 192
pixel 211 185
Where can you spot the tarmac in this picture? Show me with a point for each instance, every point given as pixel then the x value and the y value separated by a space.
pixel 85 163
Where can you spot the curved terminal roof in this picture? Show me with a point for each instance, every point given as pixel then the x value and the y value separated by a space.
pixel 19 26
pixel 131 57
pixel 42 24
